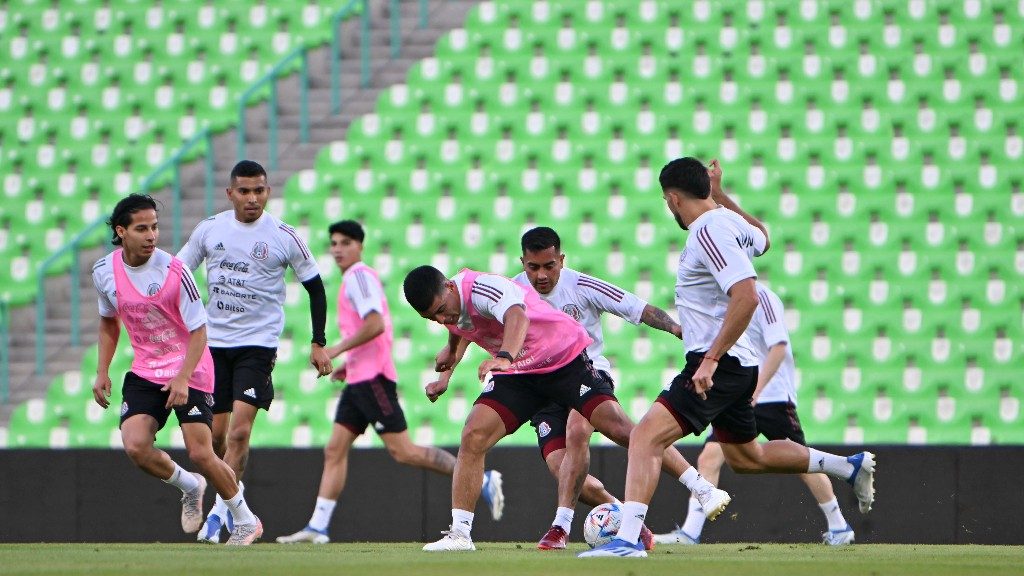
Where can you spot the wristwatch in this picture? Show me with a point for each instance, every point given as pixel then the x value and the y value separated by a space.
pixel 506 355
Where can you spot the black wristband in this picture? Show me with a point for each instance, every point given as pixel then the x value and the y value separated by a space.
pixel 505 355
pixel 321 341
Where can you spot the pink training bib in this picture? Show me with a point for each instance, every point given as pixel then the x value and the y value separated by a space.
pixel 365 362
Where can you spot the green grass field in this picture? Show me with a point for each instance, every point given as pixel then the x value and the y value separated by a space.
pixel 379 559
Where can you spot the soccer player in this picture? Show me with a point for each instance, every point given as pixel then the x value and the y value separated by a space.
pixel 247 252
pixel 776 418
pixel 371 395
pixel 716 297
pixel 156 298
pixel 538 357
pixel 584 298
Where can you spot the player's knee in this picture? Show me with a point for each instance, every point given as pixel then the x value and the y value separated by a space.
pixel 403 455
pixel 335 452
pixel 239 435
pixel 742 464
pixel 475 438
pixel 220 445
pixel 202 456
pixel 138 452
pixel 709 459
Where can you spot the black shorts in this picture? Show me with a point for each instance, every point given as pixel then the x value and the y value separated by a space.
pixel 776 421
pixel 727 407
pixel 371 401
pixel 243 374
pixel 517 397
pixel 550 424
pixel 140 396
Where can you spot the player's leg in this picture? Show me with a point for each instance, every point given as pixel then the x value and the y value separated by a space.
pixel 223 401
pixel 709 465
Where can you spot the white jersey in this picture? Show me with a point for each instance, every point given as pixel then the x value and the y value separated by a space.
pixel 492 296
pixel 717 254
pixel 245 266
pixel 147 279
pixel 584 298
pixel 767 329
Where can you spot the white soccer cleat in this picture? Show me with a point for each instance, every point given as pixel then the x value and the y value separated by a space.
pixel 307 534
pixel 838 537
pixel 192 506
pixel 451 542
pixel 210 532
pixel 245 534
pixel 863 479
pixel 713 501
pixel 493 494
pixel 676 536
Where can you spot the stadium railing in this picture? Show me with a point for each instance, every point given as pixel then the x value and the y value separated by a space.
pixel 5 374
pixel 270 80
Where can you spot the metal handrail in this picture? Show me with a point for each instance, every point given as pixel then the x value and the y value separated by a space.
pixel 364 50
pixel 270 78
pixel 5 352
pixel 76 243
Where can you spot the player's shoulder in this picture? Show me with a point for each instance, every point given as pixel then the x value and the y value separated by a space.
pixel 593 284
pixel 103 265
pixel 770 305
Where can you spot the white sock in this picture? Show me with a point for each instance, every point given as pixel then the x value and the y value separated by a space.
pixel 322 514
pixel 462 522
pixel 240 510
pixel 834 466
pixel 694 481
pixel 563 518
pixel 182 479
pixel 220 509
pixel 633 515
pixel 694 523
pixel 833 514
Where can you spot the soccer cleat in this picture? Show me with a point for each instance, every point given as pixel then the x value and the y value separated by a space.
pixel 307 534
pixel 863 479
pixel 713 501
pixel 646 537
pixel 676 536
pixel 554 539
pixel 210 532
pixel 492 493
pixel 192 506
pixel 838 537
pixel 451 542
pixel 246 534
pixel 616 549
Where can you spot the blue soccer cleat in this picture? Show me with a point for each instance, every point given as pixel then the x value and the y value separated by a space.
pixel 616 549
pixel 492 493
pixel 863 479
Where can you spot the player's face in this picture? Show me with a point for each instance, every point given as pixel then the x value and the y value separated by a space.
pixel 139 238
pixel 249 195
pixel 345 251
pixel 543 268
pixel 445 309
pixel 672 199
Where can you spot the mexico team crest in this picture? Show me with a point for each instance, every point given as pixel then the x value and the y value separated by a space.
pixel 544 429
pixel 260 251
pixel 573 310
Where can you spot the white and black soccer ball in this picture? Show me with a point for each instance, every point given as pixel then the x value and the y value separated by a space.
pixel 602 524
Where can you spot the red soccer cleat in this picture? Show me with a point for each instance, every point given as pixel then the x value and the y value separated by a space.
pixel 647 537
pixel 554 539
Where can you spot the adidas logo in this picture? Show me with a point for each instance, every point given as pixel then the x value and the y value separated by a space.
pixel 219 246
pixel 584 389
pixel 195 411
pixel 251 393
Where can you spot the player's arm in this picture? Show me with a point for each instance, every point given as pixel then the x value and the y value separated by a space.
pixel 769 366
pixel 657 318
pixel 318 356
pixel 516 324
pixel 193 252
pixel 109 333
pixel 178 386
pixel 373 326
pixel 742 305
pixel 444 363
pixel 719 195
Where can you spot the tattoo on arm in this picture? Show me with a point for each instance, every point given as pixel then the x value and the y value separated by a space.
pixel 657 318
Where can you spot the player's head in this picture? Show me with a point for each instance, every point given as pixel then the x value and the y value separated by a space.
pixel 346 243
pixel 542 258
pixel 432 295
pixel 681 180
pixel 249 190
pixel 134 224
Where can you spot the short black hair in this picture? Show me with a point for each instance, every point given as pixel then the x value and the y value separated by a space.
pixel 541 238
pixel 246 169
pixel 687 175
pixel 349 228
pixel 122 214
pixel 422 286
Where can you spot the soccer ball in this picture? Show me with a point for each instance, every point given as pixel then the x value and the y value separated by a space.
pixel 602 524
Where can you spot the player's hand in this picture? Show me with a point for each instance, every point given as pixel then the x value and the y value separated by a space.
pixel 101 390
pixel 435 389
pixel 702 378
pixel 340 373
pixel 320 360
pixel 499 364
pixel 178 388
pixel 445 360
pixel 715 173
